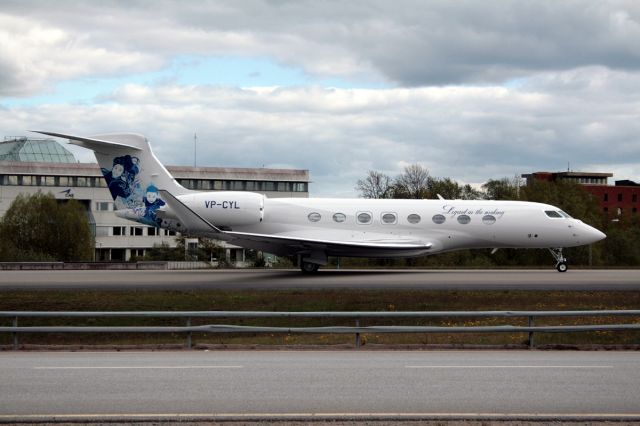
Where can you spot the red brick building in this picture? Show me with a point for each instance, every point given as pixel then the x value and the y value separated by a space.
pixel 615 200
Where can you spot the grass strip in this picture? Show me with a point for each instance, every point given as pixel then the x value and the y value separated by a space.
pixel 320 300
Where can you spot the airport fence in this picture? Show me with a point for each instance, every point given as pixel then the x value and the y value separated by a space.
pixel 357 330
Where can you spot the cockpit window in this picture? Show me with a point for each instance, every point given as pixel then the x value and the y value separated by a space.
pixel 553 214
pixel 566 215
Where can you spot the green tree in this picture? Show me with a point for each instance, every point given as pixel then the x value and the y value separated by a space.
pixel 502 189
pixel 38 227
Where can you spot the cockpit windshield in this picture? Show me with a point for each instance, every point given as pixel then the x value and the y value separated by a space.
pixel 557 214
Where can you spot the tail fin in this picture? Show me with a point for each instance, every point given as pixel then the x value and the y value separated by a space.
pixel 132 172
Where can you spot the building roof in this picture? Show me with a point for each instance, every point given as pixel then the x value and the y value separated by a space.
pixel 23 149
pixel 178 172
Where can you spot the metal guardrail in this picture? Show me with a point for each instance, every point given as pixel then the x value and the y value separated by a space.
pixel 357 330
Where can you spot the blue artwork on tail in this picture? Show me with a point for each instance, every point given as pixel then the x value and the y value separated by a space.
pixel 124 183
pixel 152 203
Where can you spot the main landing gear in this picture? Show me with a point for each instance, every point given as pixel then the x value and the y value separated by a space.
pixel 561 261
pixel 308 267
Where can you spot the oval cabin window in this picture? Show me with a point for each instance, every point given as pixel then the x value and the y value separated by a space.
pixel 438 219
pixel 413 218
pixel 339 217
pixel 364 218
pixel 463 219
pixel 488 219
pixel 314 217
pixel 389 218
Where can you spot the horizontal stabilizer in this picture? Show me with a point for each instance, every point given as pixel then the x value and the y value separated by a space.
pixel 98 145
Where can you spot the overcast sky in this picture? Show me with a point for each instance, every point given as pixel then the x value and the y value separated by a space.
pixel 471 90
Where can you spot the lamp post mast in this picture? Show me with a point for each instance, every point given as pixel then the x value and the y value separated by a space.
pixel 195 140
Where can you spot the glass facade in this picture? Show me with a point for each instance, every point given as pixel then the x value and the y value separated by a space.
pixel 34 150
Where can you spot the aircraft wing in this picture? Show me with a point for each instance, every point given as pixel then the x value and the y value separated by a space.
pixel 292 244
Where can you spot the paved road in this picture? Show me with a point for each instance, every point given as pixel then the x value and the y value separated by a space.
pixel 268 383
pixel 278 279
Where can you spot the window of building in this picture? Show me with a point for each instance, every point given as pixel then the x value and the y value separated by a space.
pixel 152 232
pixel 49 181
pixel 300 187
pixel 339 217
pixel 12 180
pixel 620 197
pixel 119 230
pixel 102 206
pixel 463 219
pixel 169 233
pixel 314 217
pixel 606 197
pixel 283 186
pixel 438 219
pixel 634 210
pixel 634 198
pixel 237 185
pixel 217 185
pixel 488 219
pixel 413 218
pixel 136 231
pixel 63 181
pixel 389 218
pixel 137 252
pixel 364 218
pixel 28 180
pixel 250 185
pixel 606 209
pixel 102 231
pixel 81 181
pixel 268 186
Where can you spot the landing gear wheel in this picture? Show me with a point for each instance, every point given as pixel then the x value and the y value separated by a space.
pixel 309 268
pixel 561 261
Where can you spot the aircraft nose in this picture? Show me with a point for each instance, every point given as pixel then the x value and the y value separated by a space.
pixel 593 235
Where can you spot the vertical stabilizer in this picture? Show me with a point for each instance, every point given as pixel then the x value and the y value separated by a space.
pixel 132 172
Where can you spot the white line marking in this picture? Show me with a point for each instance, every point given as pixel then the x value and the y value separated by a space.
pixel 61 416
pixel 508 366
pixel 143 367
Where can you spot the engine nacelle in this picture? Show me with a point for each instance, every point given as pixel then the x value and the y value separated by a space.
pixel 227 208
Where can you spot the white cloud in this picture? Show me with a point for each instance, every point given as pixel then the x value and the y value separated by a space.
pixel 470 134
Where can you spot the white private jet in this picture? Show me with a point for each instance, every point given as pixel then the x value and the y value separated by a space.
pixel 314 229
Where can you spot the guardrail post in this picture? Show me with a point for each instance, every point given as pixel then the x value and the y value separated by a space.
pixel 530 333
pixel 189 333
pixel 15 334
pixel 357 335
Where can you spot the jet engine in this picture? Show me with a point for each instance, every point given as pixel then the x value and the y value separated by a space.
pixel 227 208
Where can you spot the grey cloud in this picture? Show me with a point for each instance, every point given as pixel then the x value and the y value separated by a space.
pixel 407 42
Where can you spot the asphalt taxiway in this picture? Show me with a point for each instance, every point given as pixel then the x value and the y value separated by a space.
pixel 575 279
pixel 94 385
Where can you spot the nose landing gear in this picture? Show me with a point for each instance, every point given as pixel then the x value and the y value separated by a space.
pixel 561 261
